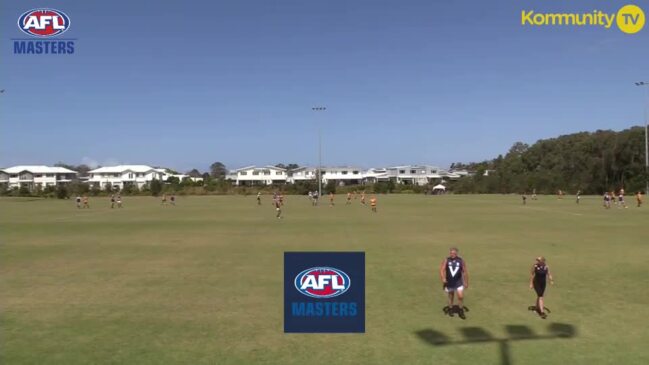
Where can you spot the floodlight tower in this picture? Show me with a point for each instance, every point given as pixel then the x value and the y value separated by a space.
pixel 646 135
pixel 319 109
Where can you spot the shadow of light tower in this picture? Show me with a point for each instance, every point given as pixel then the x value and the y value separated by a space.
pixel 514 332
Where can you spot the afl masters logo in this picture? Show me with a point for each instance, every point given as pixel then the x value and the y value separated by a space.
pixel 46 24
pixel 322 282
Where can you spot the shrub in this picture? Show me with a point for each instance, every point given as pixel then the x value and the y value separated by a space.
pixel 61 192
pixel 155 187
pixel 24 191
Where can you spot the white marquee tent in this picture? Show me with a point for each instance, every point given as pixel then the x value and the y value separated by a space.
pixel 439 187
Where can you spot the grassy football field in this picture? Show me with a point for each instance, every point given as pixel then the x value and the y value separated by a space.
pixel 202 282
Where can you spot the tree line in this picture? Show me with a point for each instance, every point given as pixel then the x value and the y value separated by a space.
pixel 592 162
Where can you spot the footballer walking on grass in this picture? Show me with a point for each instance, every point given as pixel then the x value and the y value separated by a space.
pixel 455 278
pixel 540 271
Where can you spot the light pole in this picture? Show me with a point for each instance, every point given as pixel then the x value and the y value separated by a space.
pixel 646 136
pixel 319 109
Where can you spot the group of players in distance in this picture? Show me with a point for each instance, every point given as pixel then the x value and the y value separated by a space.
pixel 116 200
pixel 314 197
pixel 455 279
pixel 609 198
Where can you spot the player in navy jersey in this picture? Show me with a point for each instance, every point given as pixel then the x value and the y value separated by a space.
pixel 540 272
pixel 455 278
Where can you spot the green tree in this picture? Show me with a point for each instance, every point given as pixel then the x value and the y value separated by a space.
pixel 155 186
pixel 194 173
pixel 61 191
pixel 218 170
pixel 330 187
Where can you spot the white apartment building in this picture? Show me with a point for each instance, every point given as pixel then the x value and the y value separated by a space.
pixel 406 174
pixel 302 174
pixel 122 175
pixel 340 175
pixel 35 176
pixel 343 175
pixel 251 176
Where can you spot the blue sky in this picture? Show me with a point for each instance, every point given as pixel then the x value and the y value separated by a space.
pixel 186 83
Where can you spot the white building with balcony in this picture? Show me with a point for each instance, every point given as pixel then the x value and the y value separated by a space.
pixel 406 174
pixel 35 176
pixel 117 177
pixel 302 174
pixel 251 176
pixel 343 175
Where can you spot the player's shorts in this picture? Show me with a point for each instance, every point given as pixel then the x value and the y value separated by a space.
pixel 452 289
pixel 539 288
pixel 277 209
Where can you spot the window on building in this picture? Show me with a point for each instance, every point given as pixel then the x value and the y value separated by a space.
pixel 355 172
pixel 38 175
pixel 344 172
pixel 402 171
pixel 266 172
pixel 243 173
pixel 413 171
pixel 255 172
pixel 115 175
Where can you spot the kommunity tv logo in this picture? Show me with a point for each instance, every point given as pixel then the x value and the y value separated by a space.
pixel 629 19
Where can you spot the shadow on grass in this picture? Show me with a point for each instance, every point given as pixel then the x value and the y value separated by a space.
pixel 514 333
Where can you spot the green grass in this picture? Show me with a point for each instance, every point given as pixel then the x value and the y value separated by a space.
pixel 202 282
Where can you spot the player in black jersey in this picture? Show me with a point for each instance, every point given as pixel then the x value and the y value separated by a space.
pixel 540 271
pixel 455 278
